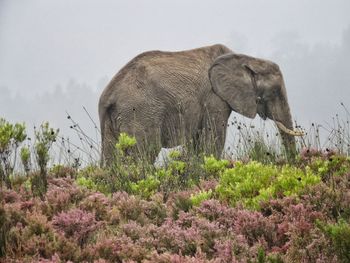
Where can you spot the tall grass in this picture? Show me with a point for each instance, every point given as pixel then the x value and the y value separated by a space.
pixel 245 141
pixel 333 135
pixel 262 142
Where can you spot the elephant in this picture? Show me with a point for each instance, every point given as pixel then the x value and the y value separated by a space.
pixel 163 98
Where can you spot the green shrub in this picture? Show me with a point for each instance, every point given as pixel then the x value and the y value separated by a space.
pixel 86 182
pixel 292 180
pixel 126 168
pixel 336 165
pixel 254 182
pixel 339 233
pixel 62 171
pixel 44 137
pixel 263 258
pixel 180 202
pixel 125 142
pixel 141 178
pixel 175 154
pixel 173 177
pixel 243 182
pixel 25 158
pixel 27 184
pixel 214 167
pixel 11 136
pixel 4 228
pixel 134 173
pixel 201 196
pixel 146 187
pixel 95 179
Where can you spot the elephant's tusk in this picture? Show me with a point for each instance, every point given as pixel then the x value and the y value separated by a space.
pixel 288 131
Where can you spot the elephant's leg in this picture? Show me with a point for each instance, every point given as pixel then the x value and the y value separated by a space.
pixel 109 139
pixel 213 134
pixel 180 124
pixel 150 143
pixel 214 125
pixel 147 134
pixel 172 130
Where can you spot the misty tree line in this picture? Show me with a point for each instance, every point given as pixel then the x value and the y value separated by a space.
pixel 317 77
pixel 53 106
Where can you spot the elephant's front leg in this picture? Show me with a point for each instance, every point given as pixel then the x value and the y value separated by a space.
pixel 181 124
pixel 213 133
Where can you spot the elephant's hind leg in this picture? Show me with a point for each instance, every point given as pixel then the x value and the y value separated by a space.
pixel 147 136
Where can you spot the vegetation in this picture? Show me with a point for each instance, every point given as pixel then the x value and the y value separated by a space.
pixel 195 208
pixel 11 136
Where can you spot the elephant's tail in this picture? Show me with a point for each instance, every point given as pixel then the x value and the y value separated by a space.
pixel 108 134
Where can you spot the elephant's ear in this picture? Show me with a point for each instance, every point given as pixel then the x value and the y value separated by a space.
pixel 231 81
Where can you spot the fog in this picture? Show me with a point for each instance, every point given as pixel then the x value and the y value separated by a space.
pixel 57 56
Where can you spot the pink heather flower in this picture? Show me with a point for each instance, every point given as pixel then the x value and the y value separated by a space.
pixel 76 224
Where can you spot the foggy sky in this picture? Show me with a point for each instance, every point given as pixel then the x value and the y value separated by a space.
pixel 57 56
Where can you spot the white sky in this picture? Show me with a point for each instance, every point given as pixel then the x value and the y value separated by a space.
pixel 43 43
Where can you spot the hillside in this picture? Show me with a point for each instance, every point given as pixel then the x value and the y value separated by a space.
pixel 196 208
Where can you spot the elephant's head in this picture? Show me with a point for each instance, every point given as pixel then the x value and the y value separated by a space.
pixel 254 86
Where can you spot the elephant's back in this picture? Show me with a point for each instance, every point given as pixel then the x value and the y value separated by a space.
pixel 179 60
pixel 179 71
pixel 179 74
pixel 167 61
pixel 202 53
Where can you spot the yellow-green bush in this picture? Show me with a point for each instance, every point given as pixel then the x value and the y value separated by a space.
pixel 212 166
pixel 255 182
pixel 146 187
pixel 200 196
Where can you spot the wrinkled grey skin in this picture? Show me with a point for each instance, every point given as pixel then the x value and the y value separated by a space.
pixel 163 97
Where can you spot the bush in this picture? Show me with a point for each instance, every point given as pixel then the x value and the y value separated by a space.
pixel 126 168
pixel 334 165
pixel 146 187
pixel 200 196
pixel 96 179
pixel 254 182
pixel 35 237
pixel 75 224
pixel 339 234
pixel 214 167
pixel 173 177
pixel 25 158
pixel 292 181
pixel 125 142
pixel 243 182
pixel 44 137
pixel 11 136
pixel 61 171
pixel 87 183
pixel 194 209
pixel 98 204
pixel 179 202
pixel 4 228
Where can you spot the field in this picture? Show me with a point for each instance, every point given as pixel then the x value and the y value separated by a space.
pixel 259 207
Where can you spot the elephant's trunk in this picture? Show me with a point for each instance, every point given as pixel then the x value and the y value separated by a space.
pixel 281 115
